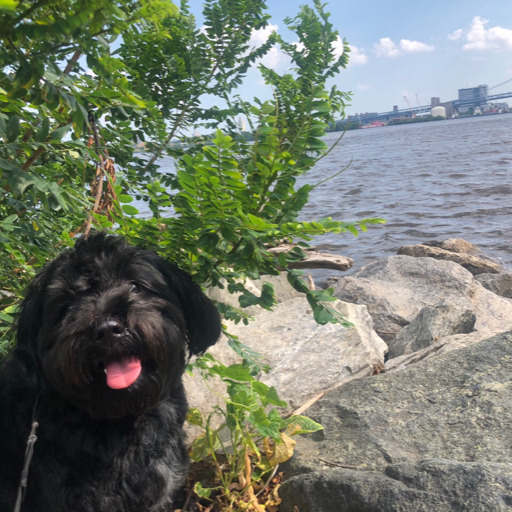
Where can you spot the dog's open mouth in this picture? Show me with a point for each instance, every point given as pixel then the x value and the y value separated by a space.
pixel 123 372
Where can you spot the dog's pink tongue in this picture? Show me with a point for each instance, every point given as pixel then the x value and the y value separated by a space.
pixel 123 373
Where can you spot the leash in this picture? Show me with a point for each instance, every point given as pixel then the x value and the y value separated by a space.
pixel 29 452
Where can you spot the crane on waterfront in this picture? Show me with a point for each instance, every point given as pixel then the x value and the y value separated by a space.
pixel 413 114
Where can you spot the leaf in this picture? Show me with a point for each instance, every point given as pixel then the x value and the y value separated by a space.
pixel 194 417
pixel 321 106
pixel 13 128
pixel 202 492
pixel 9 166
pixel 257 223
pixel 237 372
pixel 272 398
pixel 266 425
pixel 8 319
pixel 297 425
pixel 105 93
pixel 10 219
pixel 200 448
pixel 268 394
pixel 19 180
pixel 9 5
pixel 248 299
pixel 42 134
pixel 59 133
pixel 3 128
pixel 57 194
pixel 279 452
pixel 130 210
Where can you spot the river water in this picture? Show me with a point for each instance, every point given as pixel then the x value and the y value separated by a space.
pixel 429 181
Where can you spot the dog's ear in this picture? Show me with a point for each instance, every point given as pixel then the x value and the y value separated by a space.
pixel 201 315
pixel 31 322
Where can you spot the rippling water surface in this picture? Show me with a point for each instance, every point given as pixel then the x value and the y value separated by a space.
pixel 430 181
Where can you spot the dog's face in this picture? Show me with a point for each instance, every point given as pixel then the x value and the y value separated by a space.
pixel 109 326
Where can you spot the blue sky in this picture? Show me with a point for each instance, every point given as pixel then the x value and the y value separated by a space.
pixel 412 48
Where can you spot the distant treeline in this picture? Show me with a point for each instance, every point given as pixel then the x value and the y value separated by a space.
pixel 353 124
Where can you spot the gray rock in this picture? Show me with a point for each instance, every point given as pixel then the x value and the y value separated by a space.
pixel 282 288
pixel 431 324
pixel 444 345
pixel 305 358
pixel 432 485
pixel 455 407
pixel 500 284
pixel 457 245
pixel 464 253
pixel 398 288
pixel 298 347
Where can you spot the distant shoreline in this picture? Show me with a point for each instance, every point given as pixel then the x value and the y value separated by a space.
pixel 356 125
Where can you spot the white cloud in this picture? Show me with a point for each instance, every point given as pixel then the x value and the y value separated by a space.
pixel 386 47
pixel 260 36
pixel 338 47
pixel 274 57
pixel 357 56
pixel 480 38
pixel 456 35
pixel 415 46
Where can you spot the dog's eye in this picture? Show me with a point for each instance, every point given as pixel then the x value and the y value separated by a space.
pixel 135 288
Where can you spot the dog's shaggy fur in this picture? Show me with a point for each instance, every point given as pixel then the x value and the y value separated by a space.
pixel 101 447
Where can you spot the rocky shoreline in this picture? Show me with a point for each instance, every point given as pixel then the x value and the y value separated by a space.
pixel 415 399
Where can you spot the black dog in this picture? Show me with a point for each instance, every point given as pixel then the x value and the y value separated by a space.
pixel 103 339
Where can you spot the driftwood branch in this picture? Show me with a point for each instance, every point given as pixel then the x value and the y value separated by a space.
pixel 315 259
pixel 102 187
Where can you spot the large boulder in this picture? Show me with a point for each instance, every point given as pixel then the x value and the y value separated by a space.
pixel 500 284
pixel 431 324
pixel 454 249
pixel 454 407
pixel 397 288
pixel 432 485
pixel 433 351
pixel 305 358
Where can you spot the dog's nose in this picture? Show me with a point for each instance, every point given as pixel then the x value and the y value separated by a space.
pixel 110 328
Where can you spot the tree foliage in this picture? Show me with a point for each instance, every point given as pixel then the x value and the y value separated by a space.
pixel 83 82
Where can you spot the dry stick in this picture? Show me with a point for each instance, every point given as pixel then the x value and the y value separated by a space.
pixel 72 61
pixel 337 465
pixel 250 489
pixel 98 179
pixel 308 404
pixel 37 153
pixel 187 501
pixel 268 480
